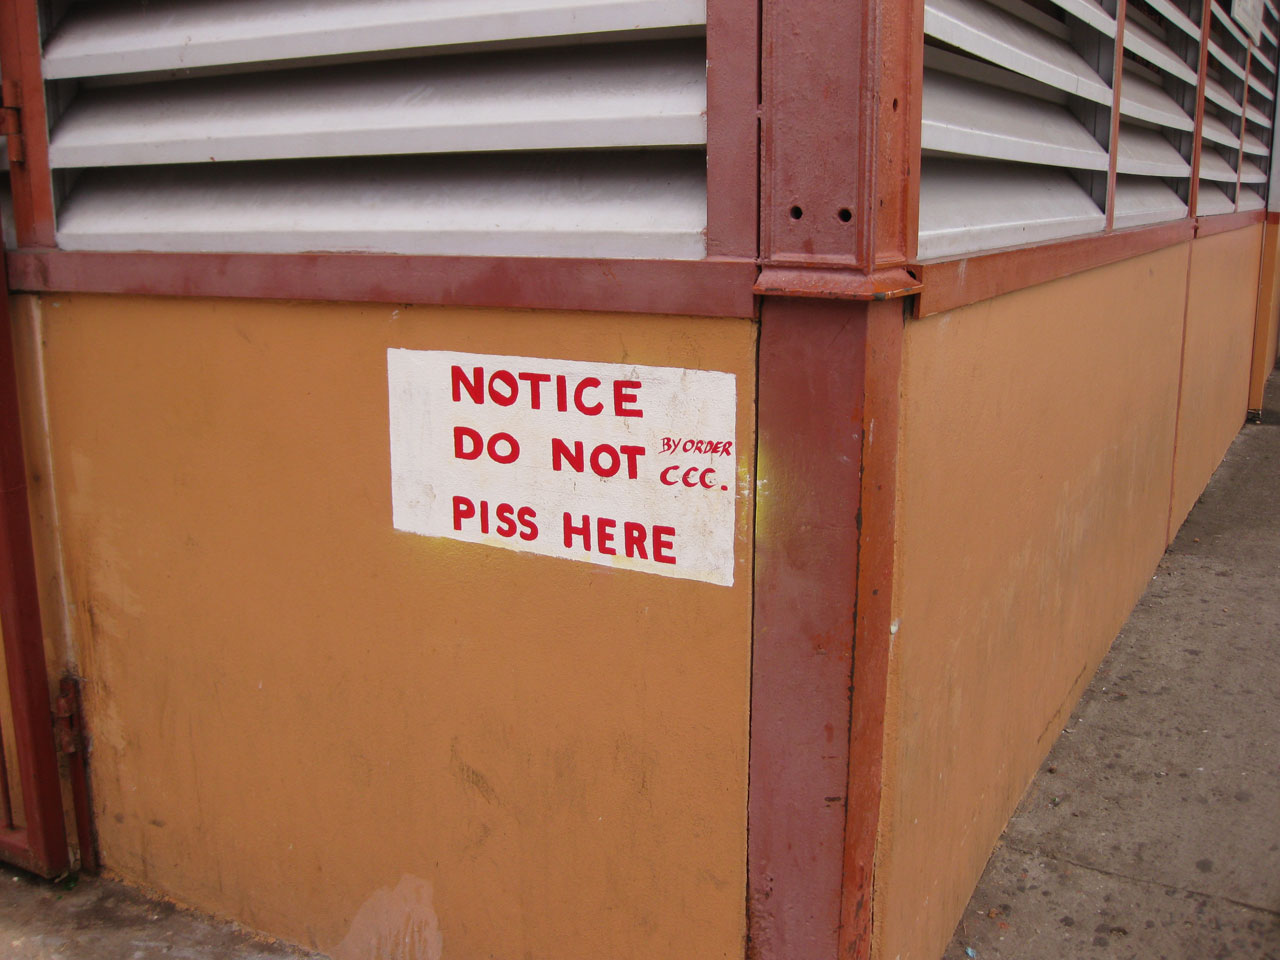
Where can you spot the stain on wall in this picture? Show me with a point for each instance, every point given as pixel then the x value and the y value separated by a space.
pixel 297 709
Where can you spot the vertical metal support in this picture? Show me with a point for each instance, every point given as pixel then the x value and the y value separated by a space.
pixel 1206 15
pixel 733 128
pixel 840 152
pixel 1244 122
pixel 23 84
pixel 1113 138
pixel 808 491
pixel 41 846
pixel 839 198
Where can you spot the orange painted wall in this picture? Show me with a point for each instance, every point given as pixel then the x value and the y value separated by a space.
pixel 1221 309
pixel 1267 325
pixel 347 735
pixel 1035 458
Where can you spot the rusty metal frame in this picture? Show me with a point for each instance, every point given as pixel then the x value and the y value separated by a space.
pixel 1225 222
pixel 40 846
pixel 694 287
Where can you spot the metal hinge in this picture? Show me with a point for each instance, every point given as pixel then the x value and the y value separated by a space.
pixel 66 719
pixel 11 119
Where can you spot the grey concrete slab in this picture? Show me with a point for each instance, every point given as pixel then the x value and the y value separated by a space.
pixel 1029 906
pixel 1153 827
pixel 97 919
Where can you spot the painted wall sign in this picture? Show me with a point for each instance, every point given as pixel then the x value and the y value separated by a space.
pixel 609 463
pixel 1248 13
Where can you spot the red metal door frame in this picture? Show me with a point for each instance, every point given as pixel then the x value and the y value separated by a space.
pixel 41 844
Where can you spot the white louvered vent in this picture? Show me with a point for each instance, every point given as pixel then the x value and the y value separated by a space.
pixel 1259 127
pixel 1158 95
pixel 1016 116
pixel 474 127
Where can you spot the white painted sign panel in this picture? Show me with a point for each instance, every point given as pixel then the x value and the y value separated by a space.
pixel 610 463
pixel 1248 13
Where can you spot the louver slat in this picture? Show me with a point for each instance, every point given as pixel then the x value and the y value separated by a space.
pixel 1143 200
pixel 1214 167
pixel 965 117
pixel 1255 146
pixel 1144 100
pixel 589 97
pixel 147 35
pixel 1249 173
pixel 1142 42
pixel 1218 132
pixel 1250 200
pixel 1213 201
pixel 1217 93
pixel 1018 204
pixel 985 31
pixel 604 206
pixel 1148 153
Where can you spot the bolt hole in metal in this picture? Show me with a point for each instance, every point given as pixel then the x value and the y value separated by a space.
pixel 796 213
pixel 895 104
pixel 845 215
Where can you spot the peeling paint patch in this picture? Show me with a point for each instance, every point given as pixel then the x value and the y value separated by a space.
pixel 395 924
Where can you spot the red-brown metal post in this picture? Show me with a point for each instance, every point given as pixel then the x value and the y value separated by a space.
pixel 733 127
pixel 839 188
pixel 42 845
pixel 809 437
pixel 23 88
pixel 1202 72
pixel 840 153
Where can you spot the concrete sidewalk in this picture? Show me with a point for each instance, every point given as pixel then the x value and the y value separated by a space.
pixel 1153 828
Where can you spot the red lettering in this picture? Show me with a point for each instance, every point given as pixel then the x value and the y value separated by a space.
pixel 562 393
pixel 597 463
pixel 474 388
pixel 535 381
pixel 526 516
pixel 622 395
pixel 583 531
pixel 633 536
pixel 685 479
pixel 587 383
pixel 560 452
pixel 513 448
pixel 484 516
pixel 663 544
pixel 663 475
pixel 631 453
pixel 702 478
pixel 604 536
pixel 506 525
pixel 505 378
pixel 728 447
pixel 463 509
pixel 688 445
pixel 466 433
